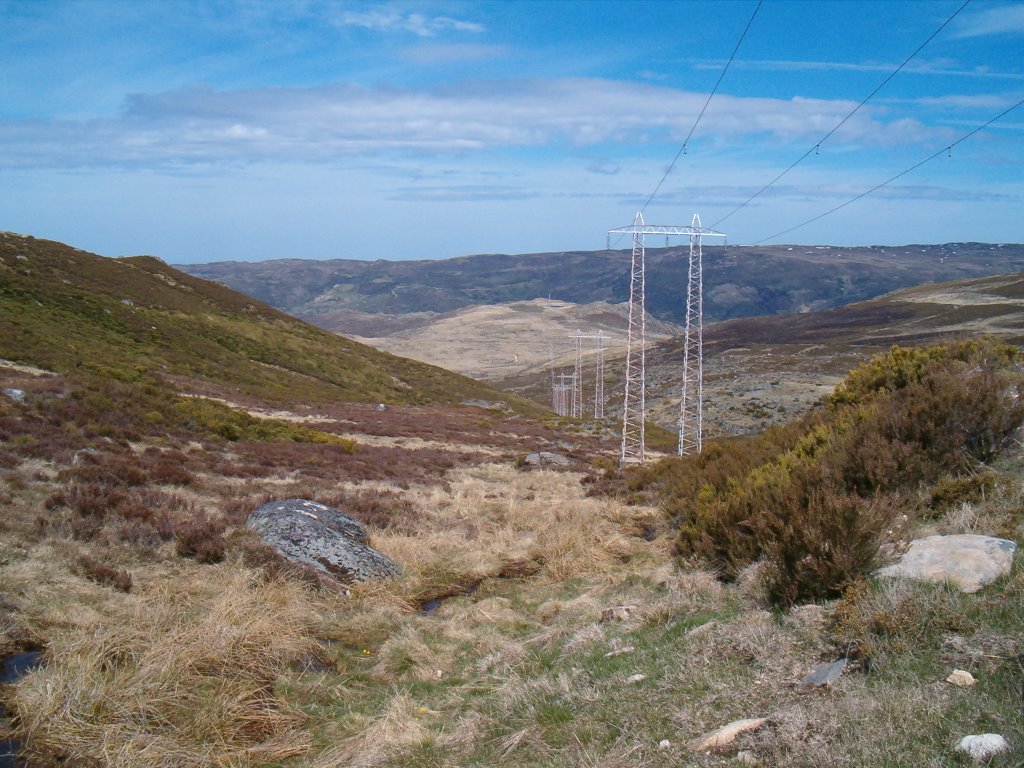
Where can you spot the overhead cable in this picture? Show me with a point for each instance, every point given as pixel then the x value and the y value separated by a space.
pixel 817 145
pixel 682 149
pixel 948 150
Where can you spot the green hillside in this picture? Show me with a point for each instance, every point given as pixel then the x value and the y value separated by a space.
pixel 70 311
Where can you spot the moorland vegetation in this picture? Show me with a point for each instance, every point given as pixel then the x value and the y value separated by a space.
pixel 575 616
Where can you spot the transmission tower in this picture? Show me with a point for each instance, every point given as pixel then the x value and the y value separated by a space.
pixel 577 409
pixel 633 405
pixel 691 403
pixel 577 377
pixel 599 376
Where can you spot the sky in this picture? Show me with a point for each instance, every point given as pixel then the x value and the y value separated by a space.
pixel 250 130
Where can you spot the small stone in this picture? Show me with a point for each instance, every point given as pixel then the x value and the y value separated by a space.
pixel 664 744
pixel 617 612
pixel 824 675
pixel 961 678
pixel 983 745
pixel 636 678
pixel 620 651
pixel 726 734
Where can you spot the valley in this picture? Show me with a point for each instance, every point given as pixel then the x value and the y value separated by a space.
pixel 546 615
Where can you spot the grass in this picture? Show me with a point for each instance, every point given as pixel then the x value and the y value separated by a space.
pixel 246 662
pixel 69 311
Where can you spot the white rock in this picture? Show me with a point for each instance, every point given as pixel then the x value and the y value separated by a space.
pixel 664 744
pixel 726 734
pixel 620 651
pixel 983 745
pixel 636 678
pixel 961 678
pixel 966 561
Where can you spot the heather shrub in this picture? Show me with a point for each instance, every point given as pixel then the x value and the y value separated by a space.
pixel 813 499
pixel 201 538
pixel 106 575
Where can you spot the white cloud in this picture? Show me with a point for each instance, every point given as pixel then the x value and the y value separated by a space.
pixel 1001 20
pixel 391 20
pixel 336 121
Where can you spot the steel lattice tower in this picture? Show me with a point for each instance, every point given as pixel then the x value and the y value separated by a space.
pixel 599 376
pixel 577 378
pixel 633 404
pixel 691 403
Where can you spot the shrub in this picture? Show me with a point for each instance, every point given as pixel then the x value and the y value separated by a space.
pixel 201 538
pixel 106 575
pixel 813 498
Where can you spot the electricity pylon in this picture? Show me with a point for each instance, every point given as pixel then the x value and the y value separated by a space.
pixel 633 403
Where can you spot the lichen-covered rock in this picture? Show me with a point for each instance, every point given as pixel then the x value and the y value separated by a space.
pixel 966 561
pixel 316 535
pixel 546 458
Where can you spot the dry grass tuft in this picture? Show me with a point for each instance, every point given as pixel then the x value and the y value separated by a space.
pixel 187 681
pixel 397 729
pixel 404 656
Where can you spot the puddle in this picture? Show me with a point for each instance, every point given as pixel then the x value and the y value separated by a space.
pixel 17 666
pixel 13 669
pixel 430 607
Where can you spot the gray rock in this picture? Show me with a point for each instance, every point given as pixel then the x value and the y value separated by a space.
pixel 547 457
pixel 17 395
pixel 966 561
pixel 824 675
pixel 982 746
pixel 316 535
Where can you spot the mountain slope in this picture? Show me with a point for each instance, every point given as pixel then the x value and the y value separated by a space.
pixel 739 281
pixel 763 370
pixel 65 310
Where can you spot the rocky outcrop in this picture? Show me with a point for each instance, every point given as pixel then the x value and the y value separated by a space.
pixel 966 561
pixel 316 535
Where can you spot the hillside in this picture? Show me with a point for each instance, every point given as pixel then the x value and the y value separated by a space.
pixel 496 340
pixel 67 311
pixel 765 370
pixel 344 295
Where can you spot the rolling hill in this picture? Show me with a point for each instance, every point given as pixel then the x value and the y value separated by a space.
pixel 764 370
pixel 66 310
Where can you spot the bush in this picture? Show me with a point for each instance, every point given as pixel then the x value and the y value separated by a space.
pixel 106 575
pixel 201 538
pixel 813 498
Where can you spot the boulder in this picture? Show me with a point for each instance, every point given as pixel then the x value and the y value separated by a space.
pixel 17 395
pixel 316 535
pixel 548 458
pixel 966 561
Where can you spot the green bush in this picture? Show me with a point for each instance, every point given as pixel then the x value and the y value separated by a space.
pixel 812 498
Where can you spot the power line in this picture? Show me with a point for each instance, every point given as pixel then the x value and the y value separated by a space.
pixel 947 150
pixel 817 144
pixel 682 149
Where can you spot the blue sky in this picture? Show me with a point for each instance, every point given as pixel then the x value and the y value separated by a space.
pixel 254 130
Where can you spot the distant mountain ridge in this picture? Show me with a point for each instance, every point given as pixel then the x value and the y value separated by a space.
pixel 739 281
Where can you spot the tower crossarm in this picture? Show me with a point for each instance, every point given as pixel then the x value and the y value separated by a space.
pixel 662 229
